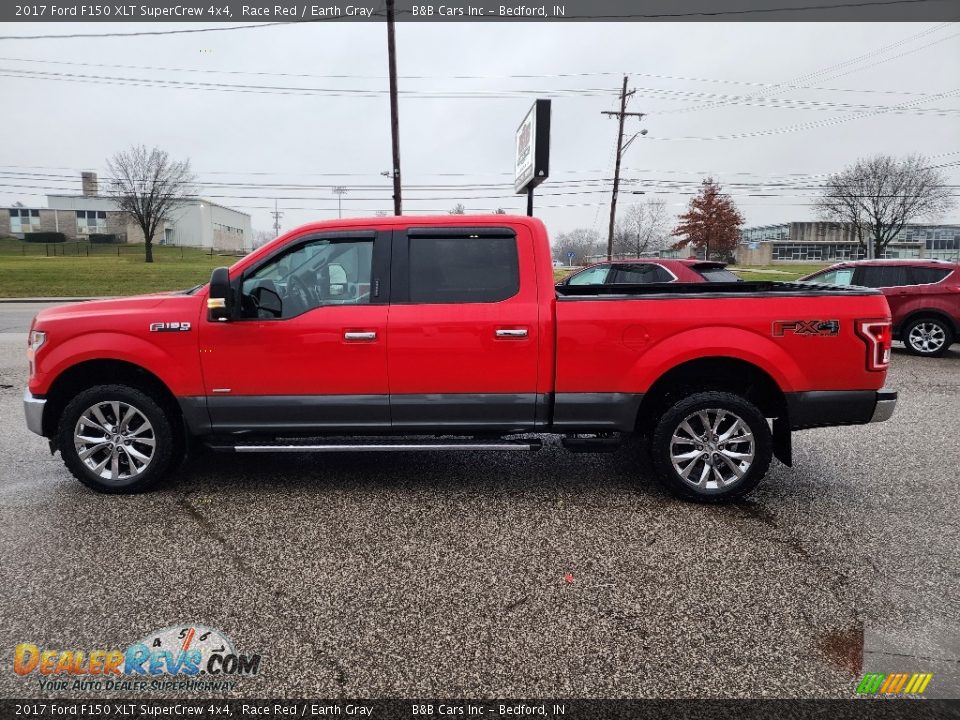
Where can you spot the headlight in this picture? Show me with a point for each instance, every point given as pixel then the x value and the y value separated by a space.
pixel 35 339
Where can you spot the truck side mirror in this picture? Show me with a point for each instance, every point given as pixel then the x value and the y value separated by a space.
pixel 220 298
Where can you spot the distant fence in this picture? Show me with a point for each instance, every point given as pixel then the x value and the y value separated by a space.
pixel 85 248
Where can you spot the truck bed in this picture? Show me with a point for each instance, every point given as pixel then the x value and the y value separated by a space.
pixel 752 288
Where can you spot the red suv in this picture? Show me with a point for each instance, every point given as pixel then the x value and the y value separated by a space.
pixel 924 297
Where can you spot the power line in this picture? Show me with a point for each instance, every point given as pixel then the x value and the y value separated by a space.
pixel 514 76
pixel 21 172
pixel 690 189
pixel 841 65
pixel 61 183
pixel 803 126
pixel 658 93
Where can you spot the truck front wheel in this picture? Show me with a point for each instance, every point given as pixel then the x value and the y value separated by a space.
pixel 711 447
pixel 115 439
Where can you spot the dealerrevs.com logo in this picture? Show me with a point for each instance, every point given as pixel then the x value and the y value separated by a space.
pixel 190 657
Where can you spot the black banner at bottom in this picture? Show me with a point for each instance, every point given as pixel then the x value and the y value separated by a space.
pixel 511 709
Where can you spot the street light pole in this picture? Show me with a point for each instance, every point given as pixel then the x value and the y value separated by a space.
pixel 339 191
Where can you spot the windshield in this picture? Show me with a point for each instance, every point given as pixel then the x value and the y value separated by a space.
pixel 591 276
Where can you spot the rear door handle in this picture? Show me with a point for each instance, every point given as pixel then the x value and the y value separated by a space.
pixel 517 333
pixel 359 336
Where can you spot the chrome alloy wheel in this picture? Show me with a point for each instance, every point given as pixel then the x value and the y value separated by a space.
pixel 712 449
pixel 114 440
pixel 927 337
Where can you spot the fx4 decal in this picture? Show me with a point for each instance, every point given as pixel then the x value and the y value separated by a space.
pixel 169 327
pixel 822 328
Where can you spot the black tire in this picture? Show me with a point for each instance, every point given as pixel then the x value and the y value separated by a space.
pixel 712 489
pixel 931 328
pixel 161 432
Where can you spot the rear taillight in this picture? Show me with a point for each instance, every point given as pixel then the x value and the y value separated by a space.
pixel 878 335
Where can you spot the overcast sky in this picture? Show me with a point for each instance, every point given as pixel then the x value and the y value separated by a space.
pixel 62 126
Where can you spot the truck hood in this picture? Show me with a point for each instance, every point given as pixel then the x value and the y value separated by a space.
pixel 111 307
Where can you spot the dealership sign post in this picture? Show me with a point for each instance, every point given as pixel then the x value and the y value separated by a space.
pixel 532 160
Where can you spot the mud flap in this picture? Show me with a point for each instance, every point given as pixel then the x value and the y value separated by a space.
pixel 782 441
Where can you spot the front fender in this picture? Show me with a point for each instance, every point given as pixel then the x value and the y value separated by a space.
pixel 176 366
pixel 716 341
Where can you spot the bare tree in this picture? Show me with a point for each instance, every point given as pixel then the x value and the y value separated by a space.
pixel 148 186
pixel 499 211
pixel 583 243
pixel 260 237
pixel 458 209
pixel 642 229
pixel 878 196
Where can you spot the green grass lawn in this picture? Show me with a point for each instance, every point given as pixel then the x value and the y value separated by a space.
pixel 26 270
pixel 775 272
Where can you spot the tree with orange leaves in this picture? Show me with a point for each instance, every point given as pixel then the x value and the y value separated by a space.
pixel 712 222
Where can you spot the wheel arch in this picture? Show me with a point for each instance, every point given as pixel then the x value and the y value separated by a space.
pixel 927 312
pixel 89 373
pixel 716 372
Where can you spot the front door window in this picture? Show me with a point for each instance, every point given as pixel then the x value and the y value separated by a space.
pixel 317 273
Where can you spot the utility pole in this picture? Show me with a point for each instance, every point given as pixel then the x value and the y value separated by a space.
pixel 621 147
pixel 339 191
pixel 394 110
pixel 276 219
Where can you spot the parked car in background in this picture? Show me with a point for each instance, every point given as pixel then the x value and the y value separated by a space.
pixel 924 297
pixel 651 270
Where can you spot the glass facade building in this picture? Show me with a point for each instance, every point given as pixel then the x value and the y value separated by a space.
pixel 823 242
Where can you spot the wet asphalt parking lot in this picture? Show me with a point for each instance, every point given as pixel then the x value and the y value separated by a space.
pixel 505 574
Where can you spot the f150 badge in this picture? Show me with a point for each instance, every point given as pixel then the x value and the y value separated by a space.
pixel 169 327
pixel 822 328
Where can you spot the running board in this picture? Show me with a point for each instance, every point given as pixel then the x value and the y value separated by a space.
pixel 377 446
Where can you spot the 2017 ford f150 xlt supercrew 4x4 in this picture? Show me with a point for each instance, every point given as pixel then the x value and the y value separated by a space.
pixel 445 333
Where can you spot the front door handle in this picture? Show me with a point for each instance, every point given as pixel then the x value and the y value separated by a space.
pixel 508 333
pixel 360 336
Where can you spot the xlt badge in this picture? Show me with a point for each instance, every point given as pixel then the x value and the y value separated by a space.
pixel 169 327
pixel 823 328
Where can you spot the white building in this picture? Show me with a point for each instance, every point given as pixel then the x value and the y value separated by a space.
pixel 196 223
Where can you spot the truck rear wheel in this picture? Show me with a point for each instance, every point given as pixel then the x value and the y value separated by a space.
pixel 115 439
pixel 711 447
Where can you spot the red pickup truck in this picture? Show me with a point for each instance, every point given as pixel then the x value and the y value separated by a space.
pixel 447 333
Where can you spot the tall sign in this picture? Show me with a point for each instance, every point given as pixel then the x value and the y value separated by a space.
pixel 532 158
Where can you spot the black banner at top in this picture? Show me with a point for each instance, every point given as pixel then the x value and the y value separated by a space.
pixel 216 12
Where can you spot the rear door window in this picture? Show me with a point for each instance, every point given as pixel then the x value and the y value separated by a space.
pixel 881 276
pixel 463 270
pixel 638 274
